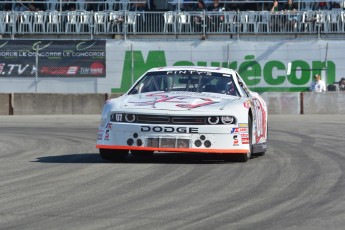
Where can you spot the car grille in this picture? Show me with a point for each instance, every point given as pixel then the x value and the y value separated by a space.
pixel 167 143
pixel 181 120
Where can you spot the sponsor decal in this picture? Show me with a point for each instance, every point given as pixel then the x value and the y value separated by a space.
pixel 242 125
pixel 188 72
pixel 109 126
pixel 106 136
pixel 239 130
pixel 96 68
pixel 61 70
pixel 235 137
pixel 181 101
pixel 116 116
pixel 168 129
pixel 260 121
pixel 100 134
pixel 245 140
pixel 72 70
pixel 244 135
pixel 246 104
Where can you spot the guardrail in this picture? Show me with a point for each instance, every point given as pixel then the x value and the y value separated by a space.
pixel 13 23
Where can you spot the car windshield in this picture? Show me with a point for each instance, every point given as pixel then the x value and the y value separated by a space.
pixel 186 81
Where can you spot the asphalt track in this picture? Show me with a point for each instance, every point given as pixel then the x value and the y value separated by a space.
pixel 53 178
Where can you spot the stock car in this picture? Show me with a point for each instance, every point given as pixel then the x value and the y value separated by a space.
pixel 189 109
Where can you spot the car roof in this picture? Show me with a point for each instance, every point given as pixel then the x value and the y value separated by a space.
pixel 196 68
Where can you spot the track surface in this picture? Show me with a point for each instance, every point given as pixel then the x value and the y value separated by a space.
pixel 53 178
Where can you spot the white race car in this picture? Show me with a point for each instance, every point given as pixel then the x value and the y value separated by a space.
pixel 185 109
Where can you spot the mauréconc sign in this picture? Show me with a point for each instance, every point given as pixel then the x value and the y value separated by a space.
pixel 266 76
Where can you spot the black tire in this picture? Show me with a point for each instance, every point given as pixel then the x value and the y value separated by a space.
pixel 113 154
pixel 141 153
pixel 259 154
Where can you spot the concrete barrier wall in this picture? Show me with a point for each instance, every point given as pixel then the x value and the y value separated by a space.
pixel 4 104
pixel 324 103
pixel 283 103
pixel 59 104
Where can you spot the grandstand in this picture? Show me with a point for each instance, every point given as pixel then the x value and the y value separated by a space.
pixel 138 18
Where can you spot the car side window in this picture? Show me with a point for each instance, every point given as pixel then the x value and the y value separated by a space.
pixel 243 88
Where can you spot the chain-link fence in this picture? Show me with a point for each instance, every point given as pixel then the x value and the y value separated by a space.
pixel 337 86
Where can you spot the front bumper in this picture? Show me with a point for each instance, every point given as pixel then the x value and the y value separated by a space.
pixel 173 138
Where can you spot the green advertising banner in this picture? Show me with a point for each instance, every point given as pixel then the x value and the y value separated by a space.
pixel 266 66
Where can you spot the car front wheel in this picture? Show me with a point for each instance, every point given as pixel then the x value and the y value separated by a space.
pixel 113 155
pixel 141 153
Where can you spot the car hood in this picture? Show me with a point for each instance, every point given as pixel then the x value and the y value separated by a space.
pixel 178 101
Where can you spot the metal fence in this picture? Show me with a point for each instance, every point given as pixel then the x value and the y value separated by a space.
pixel 337 86
pixel 126 22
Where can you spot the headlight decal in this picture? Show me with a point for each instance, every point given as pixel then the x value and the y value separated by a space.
pixel 178 120
pixel 130 118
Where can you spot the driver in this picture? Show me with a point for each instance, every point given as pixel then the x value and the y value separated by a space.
pixel 226 87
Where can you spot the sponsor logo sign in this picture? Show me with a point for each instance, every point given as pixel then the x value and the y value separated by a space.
pixel 239 130
pixel 106 136
pixel 168 129
pixel 258 74
pixel 58 58
pixel 236 141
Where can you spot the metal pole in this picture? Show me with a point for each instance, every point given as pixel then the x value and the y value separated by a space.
pixel 36 72
pixel 228 56
pixel 326 58
pixel 132 74
pixel 204 24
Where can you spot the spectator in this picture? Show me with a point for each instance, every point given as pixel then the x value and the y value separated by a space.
pixel 215 6
pixel 335 5
pixel 275 7
pixel 200 6
pixel 198 20
pixel 19 7
pixel 215 20
pixel 342 84
pixel 322 6
pixel 317 85
pixel 276 18
pixel 290 6
pixel 291 20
